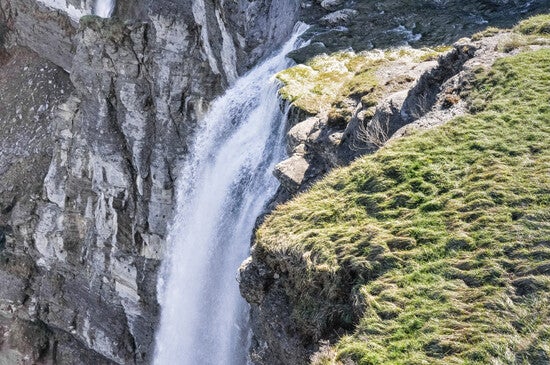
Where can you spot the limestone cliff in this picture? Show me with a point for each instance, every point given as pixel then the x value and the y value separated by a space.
pixel 96 115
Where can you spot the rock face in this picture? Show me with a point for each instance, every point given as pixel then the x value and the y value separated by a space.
pixel 98 117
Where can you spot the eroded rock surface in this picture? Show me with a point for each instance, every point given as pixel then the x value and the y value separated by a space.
pixel 96 115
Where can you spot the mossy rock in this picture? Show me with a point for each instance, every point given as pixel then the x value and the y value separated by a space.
pixel 113 29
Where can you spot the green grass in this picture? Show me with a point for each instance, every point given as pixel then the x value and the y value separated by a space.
pixel 434 250
pixel 489 32
pixel 534 31
pixel 537 25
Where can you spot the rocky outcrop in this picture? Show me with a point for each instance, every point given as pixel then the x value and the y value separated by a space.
pixel 418 92
pixel 429 94
pixel 91 147
pixel 49 32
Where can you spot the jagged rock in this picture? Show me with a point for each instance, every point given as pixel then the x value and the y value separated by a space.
pixel 300 133
pixel 274 340
pixel 292 172
pixel 253 280
pixel 30 338
pixel 48 32
pixel 88 163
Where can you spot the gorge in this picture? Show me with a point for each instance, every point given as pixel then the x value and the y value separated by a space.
pixel 149 146
pixel 225 185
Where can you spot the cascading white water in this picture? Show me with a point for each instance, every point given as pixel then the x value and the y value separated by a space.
pixel 104 8
pixel 225 184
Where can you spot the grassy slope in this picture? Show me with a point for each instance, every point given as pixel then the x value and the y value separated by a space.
pixel 436 249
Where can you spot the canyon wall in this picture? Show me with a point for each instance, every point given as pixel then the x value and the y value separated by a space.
pixel 96 117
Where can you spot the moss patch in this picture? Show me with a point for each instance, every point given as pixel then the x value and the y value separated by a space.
pixel 435 249
pixel 325 83
pixel 325 80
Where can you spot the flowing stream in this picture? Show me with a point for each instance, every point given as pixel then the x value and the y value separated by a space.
pixel 104 8
pixel 224 186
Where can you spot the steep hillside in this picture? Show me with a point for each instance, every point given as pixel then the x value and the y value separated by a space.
pixel 435 249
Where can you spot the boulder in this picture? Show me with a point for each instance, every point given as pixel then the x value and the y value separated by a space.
pixel 339 18
pixel 292 172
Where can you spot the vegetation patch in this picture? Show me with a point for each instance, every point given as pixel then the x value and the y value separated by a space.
pixel 434 250
pixel 537 25
pixel 489 32
pixel 335 83
pixel 534 31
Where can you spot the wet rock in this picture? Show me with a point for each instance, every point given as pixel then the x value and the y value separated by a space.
pixel 274 339
pixel 254 281
pixel 306 53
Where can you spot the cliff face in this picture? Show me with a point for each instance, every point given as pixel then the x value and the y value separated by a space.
pixel 97 118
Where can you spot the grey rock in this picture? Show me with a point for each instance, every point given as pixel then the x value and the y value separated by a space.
pixel 253 279
pixel 339 18
pixel 304 54
pixel 47 31
pixel 292 172
pixel 438 22
pixel 89 163
pixel 299 133
pixel 274 340
pixel 331 4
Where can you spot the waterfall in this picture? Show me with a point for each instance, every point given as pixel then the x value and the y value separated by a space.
pixel 225 184
pixel 104 8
